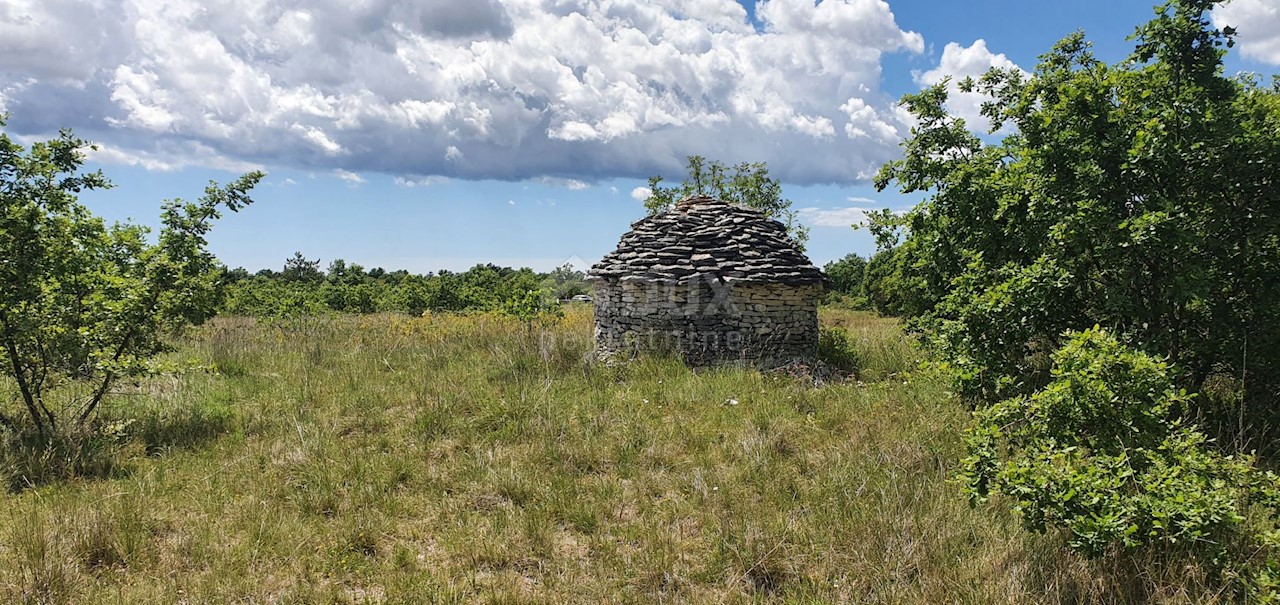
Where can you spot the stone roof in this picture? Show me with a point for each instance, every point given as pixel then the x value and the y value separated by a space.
pixel 704 236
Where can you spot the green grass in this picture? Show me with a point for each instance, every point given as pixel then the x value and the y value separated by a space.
pixel 386 459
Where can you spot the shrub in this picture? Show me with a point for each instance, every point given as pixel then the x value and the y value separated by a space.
pixel 1101 454
pixel 533 307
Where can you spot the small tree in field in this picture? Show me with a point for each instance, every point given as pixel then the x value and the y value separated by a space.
pixel 82 303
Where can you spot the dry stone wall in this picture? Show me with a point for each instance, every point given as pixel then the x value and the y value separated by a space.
pixel 708 321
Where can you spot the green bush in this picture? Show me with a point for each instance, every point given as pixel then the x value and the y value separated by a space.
pixel 1101 454
pixel 533 307
pixel 845 302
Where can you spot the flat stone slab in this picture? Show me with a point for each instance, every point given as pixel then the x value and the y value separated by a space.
pixel 704 238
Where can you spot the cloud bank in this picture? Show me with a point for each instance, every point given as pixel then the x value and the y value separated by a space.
pixel 503 89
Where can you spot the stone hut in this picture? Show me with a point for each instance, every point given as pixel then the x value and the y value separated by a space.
pixel 711 282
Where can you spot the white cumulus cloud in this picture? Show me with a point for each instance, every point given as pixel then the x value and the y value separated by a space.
pixel 1258 27
pixel 832 217
pixel 641 194
pixel 507 89
pixel 959 62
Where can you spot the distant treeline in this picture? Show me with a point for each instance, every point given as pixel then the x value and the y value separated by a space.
pixel 861 283
pixel 302 288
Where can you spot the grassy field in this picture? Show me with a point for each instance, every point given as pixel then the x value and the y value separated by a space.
pixel 386 459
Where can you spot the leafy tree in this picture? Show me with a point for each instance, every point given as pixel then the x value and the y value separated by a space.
pixel 846 274
pixel 83 304
pixel 298 268
pixel 886 284
pixel 1139 196
pixel 566 282
pixel 746 184
pixel 235 275
pixel 413 295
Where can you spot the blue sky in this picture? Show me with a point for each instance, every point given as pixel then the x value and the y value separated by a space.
pixel 442 134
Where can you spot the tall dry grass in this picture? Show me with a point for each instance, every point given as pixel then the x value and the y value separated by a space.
pixel 471 459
